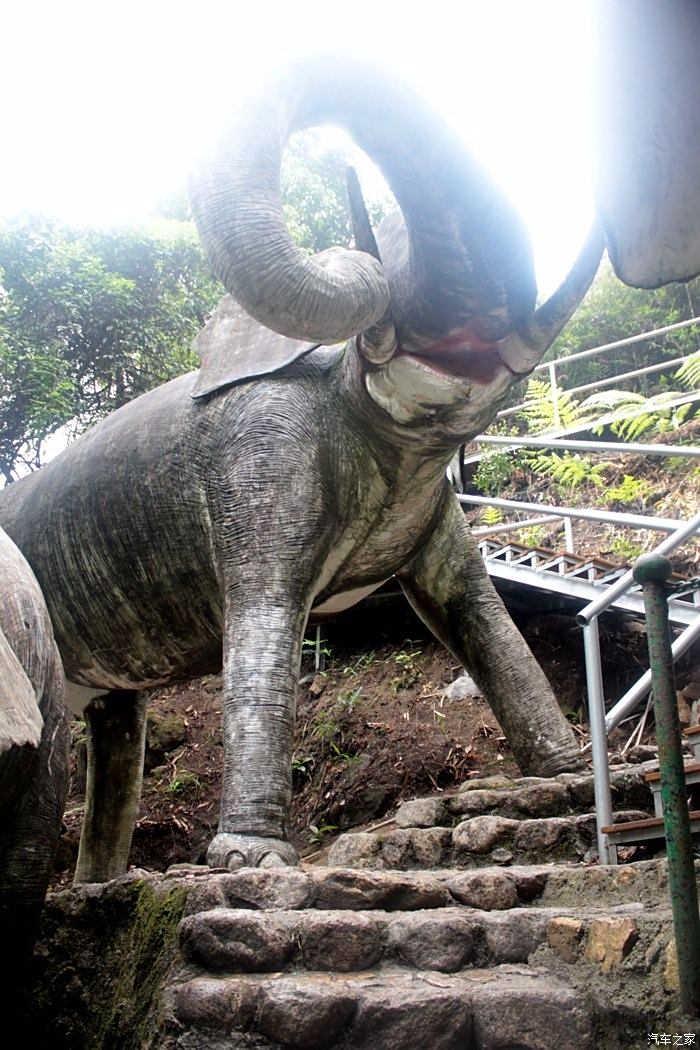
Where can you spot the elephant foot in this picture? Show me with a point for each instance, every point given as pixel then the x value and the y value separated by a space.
pixel 232 851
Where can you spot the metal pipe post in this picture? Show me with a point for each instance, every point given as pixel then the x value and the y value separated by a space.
pixel 599 741
pixel 652 572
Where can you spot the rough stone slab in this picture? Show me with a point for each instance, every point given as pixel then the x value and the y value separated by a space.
pixel 542 800
pixel 564 935
pixel 283 888
pixel 505 1007
pixel 441 940
pixel 357 850
pixel 421 813
pixel 431 847
pixel 238 941
pixel 543 834
pixel 530 1014
pixel 339 941
pixel 482 834
pixel 609 941
pixel 476 803
pixel 299 1014
pixel 337 889
pixel 513 936
pixel 485 889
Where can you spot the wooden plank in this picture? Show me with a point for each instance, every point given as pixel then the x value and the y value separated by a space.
pixel 692 767
pixel 642 825
pixel 691 731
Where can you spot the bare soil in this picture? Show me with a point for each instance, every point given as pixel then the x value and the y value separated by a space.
pixel 373 730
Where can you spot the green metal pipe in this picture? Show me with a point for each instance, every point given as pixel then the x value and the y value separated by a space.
pixel 652 572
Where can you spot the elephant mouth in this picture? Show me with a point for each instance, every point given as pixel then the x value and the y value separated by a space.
pixel 462 355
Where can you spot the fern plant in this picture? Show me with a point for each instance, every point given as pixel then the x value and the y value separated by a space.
pixel 653 416
pixel 689 372
pixel 491 516
pixel 540 414
pixel 569 471
pixel 630 490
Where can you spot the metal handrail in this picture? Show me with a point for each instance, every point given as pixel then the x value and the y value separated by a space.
pixel 588 619
pixel 621 376
pixel 604 601
pixel 628 341
pixel 631 447
pixel 610 517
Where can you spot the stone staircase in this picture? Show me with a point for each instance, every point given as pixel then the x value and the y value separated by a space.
pixel 497 820
pixel 474 951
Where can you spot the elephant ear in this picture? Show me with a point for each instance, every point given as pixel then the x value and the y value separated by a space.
pixel 233 346
pixel 20 718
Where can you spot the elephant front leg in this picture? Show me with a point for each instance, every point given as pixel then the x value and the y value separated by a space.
pixel 262 653
pixel 451 591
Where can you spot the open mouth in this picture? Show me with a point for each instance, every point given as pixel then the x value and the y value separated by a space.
pixel 461 358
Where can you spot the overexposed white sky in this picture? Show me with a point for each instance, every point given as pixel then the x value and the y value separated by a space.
pixel 104 108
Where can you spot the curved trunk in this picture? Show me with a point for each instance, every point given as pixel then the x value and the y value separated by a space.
pixel 457 260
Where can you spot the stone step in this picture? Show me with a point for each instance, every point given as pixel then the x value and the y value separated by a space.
pixel 393 1009
pixel 526 797
pixel 235 941
pixel 356 889
pixel 477 840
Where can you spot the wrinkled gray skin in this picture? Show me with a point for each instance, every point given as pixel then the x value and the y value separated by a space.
pixel 284 482
pixel 33 758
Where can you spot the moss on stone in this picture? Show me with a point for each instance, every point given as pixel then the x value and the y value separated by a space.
pixel 128 1012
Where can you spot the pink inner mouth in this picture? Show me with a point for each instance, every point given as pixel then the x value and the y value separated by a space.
pixel 463 354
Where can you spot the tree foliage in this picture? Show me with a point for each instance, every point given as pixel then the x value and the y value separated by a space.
pixel 612 311
pixel 88 320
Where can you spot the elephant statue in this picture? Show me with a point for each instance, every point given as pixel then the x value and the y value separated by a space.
pixel 647 128
pixel 33 758
pixel 165 540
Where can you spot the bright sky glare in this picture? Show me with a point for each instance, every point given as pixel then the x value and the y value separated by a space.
pixel 105 107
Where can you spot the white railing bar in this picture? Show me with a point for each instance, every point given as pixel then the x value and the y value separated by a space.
pixel 641 338
pixel 629 701
pixel 635 521
pixel 614 591
pixel 599 421
pixel 482 531
pixel 599 742
pixel 596 385
pixel 634 448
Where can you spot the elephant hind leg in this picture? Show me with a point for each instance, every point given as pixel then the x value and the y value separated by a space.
pixel 116 738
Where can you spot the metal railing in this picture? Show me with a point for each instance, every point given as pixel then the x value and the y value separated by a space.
pixel 599 725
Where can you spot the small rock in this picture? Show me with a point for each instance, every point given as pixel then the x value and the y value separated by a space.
pixel 692 691
pixel 494 783
pixel 354 851
pixel 486 890
pixel 482 834
pixel 478 802
pixel 502 856
pixel 683 710
pixel 541 834
pixel 421 813
pixel 430 846
pixel 671 968
pixel 318 685
pixel 462 688
pixel 164 733
pixel 642 753
pixel 609 941
pixel 564 935
pixel 297 1015
pixel 342 942
pixel 512 936
pixel 397 848
pixel 542 800
pixel 442 941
